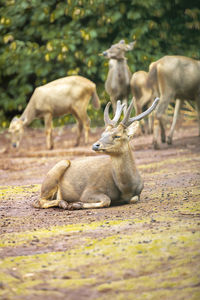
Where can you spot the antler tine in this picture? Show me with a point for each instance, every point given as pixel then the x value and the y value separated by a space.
pixel 127 115
pixel 118 112
pixel 144 114
pixel 107 119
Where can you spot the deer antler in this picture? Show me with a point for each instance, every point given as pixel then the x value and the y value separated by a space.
pixel 118 112
pixel 128 121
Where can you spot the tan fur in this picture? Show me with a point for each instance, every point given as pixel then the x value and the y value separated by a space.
pixel 95 182
pixel 62 96
pixel 170 78
pixel 118 80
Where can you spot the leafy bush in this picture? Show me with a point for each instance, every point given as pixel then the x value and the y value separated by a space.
pixel 44 40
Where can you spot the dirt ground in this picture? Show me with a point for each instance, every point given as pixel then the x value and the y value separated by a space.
pixel 147 250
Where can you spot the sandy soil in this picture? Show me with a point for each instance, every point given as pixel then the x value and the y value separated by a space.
pixel 147 250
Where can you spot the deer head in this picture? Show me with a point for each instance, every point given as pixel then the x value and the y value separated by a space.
pixel 118 50
pixel 114 140
pixel 16 129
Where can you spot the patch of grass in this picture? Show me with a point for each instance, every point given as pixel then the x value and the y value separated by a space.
pixel 8 191
pixel 157 263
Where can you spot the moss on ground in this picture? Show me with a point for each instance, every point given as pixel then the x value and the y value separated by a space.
pixel 8 191
pixel 154 256
pixel 148 264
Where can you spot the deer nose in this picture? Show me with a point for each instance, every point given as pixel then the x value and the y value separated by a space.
pixel 104 53
pixel 96 146
pixel 14 145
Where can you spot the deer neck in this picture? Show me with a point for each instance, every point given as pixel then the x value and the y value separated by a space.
pixel 29 114
pixel 124 170
pixel 123 70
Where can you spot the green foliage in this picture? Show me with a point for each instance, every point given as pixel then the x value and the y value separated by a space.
pixel 43 41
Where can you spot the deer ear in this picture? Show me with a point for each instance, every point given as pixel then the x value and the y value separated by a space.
pixel 130 46
pixel 132 129
pixel 122 42
pixel 15 119
pixel 24 120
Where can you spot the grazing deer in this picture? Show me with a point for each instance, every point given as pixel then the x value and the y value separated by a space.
pixel 118 80
pixel 94 182
pixel 142 96
pixel 62 96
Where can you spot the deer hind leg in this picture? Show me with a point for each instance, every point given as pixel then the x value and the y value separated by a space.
pixel 50 192
pixel 48 130
pixel 86 126
pixel 89 199
pixel 159 120
pixel 175 117
pixel 79 128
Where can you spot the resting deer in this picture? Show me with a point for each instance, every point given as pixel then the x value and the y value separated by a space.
pixel 95 182
pixel 118 80
pixel 62 96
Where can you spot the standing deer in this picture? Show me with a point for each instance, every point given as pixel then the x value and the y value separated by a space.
pixel 118 80
pixel 94 182
pixel 62 96
pixel 142 98
pixel 172 77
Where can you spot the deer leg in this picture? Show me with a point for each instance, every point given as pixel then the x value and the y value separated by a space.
pixel 125 101
pixel 89 199
pixel 79 128
pixel 198 111
pixel 113 101
pixel 138 110
pixel 162 129
pixel 159 120
pixel 50 192
pixel 86 126
pixel 48 130
pixel 134 199
pixel 175 117
pixel 150 123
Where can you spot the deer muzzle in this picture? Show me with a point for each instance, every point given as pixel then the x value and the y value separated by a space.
pixel 96 146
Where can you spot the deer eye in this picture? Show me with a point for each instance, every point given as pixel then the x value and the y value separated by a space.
pixel 117 136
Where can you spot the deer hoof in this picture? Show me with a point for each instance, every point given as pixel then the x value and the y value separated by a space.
pixel 163 139
pixel 36 204
pixel 169 140
pixel 156 146
pixel 134 199
pixel 63 204
pixel 76 205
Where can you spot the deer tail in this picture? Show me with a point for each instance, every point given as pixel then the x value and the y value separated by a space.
pixel 152 77
pixel 95 100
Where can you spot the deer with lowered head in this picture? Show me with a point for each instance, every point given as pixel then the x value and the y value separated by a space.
pixel 62 96
pixel 100 181
pixel 118 80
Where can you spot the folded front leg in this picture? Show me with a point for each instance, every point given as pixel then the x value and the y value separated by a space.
pixel 94 200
